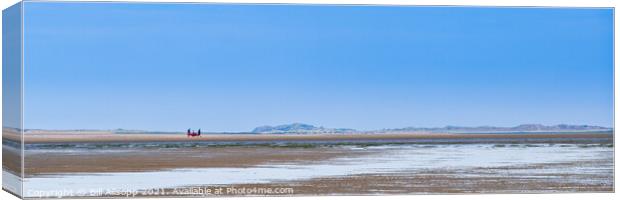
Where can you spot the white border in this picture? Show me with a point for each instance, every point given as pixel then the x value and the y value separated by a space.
pixel 519 3
pixel 560 3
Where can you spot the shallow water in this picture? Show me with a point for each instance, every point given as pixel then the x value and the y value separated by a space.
pixel 392 158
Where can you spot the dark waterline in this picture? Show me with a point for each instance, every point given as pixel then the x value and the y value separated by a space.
pixel 313 143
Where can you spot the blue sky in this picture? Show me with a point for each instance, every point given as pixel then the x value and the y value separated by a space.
pixel 234 67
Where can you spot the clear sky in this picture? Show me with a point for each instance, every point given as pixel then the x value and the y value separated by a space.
pixel 221 67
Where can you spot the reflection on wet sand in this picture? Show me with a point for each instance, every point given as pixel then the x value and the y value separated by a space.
pixel 330 169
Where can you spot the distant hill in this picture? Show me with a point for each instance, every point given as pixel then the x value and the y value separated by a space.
pixel 307 128
pixel 519 128
pixel 300 128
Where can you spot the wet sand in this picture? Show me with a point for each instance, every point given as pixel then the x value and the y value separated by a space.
pixel 56 162
pixel 11 159
pixel 509 179
pixel 514 179
pixel 134 159
pixel 11 150
pixel 34 137
pixel 71 154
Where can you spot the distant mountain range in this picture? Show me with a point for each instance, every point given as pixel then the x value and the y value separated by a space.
pixel 519 128
pixel 300 128
pixel 306 128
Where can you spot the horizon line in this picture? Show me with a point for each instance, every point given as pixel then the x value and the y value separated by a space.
pixel 318 126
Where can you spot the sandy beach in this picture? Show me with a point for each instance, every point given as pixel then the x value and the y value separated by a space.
pixel 322 164
pixel 455 181
pixel 102 136
pixel 177 158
